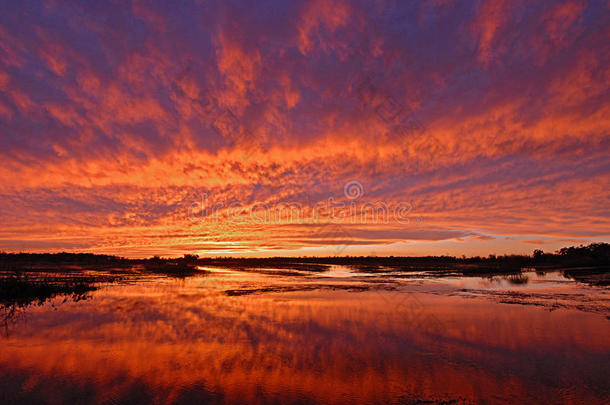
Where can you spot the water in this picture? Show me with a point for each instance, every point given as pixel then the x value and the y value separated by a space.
pixel 337 337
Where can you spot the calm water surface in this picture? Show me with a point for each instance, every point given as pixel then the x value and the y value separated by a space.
pixel 338 337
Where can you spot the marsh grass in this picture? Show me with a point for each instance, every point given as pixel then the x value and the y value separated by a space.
pixel 517 279
pixel 24 289
pixel 19 291
pixel 172 269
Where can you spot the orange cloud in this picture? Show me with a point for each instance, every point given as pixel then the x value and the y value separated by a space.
pixel 115 124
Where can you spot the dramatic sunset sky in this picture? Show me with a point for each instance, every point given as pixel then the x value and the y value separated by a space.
pixel 166 127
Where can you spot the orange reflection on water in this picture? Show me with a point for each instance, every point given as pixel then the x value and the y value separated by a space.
pixel 168 341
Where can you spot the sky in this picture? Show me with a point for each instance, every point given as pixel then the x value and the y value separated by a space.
pixel 300 128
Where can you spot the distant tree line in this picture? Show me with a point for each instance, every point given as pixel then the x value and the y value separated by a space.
pixel 595 254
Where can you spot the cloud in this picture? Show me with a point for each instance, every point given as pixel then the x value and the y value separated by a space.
pixel 489 118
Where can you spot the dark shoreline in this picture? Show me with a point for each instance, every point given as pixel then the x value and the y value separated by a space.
pixel 595 256
pixel 588 264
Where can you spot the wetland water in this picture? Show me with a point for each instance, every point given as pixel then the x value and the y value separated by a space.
pixel 334 337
